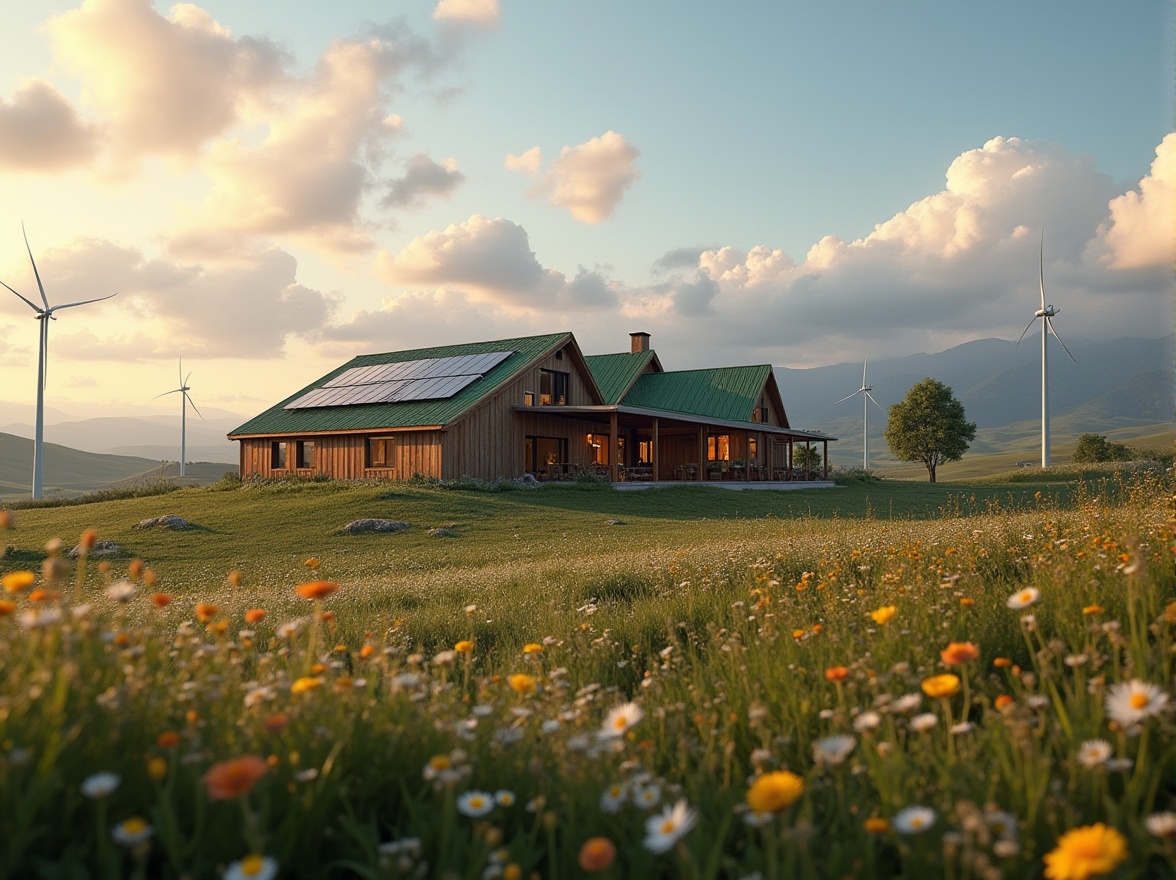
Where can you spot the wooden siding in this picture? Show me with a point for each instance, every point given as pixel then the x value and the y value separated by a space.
pixel 488 441
pixel 342 456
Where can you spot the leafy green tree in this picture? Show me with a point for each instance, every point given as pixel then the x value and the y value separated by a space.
pixel 1096 447
pixel 806 458
pixel 928 425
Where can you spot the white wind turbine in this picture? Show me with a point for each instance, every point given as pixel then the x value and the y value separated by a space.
pixel 867 399
pixel 185 399
pixel 44 315
pixel 1047 327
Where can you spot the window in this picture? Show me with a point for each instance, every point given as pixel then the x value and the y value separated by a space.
pixel 553 388
pixel 598 448
pixel 760 413
pixel 718 447
pixel 381 452
pixel 753 448
pixel 644 452
pixel 278 454
pixel 304 454
pixel 546 456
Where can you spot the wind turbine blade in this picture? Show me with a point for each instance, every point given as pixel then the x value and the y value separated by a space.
pixel 864 362
pixel 165 393
pixel 1041 268
pixel 188 397
pixel 35 308
pixel 84 302
pixel 876 403
pixel 1026 330
pixel 37 274
pixel 847 397
pixel 184 381
pixel 1049 324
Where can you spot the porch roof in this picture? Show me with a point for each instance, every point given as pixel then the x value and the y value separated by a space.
pixel 599 413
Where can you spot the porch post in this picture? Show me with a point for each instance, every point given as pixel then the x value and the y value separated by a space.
pixel 789 465
pixel 825 456
pixel 655 455
pixel 615 442
pixel 701 453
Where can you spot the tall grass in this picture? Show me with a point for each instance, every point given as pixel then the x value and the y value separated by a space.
pixel 383 712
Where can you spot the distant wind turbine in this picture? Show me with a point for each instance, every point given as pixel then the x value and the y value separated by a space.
pixel 867 399
pixel 1046 313
pixel 185 399
pixel 44 315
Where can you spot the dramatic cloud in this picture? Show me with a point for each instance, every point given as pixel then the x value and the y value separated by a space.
pixel 492 259
pixel 588 180
pixel 243 310
pixel 1141 230
pixel 41 131
pixel 166 85
pixel 423 179
pixel 479 12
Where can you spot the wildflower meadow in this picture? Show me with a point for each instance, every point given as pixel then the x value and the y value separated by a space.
pixel 981 691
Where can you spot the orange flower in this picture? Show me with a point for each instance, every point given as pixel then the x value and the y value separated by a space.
pixel 168 739
pixel 1093 609
pixel 235 578
pixel 149 577
pixel 42 595
pixel 367 651
pixel 877 825
pixel 254 615
pixel 7 606
pixel 6 519
pixel 156 768
pixel 316 589
pixel 597 854
pixel 234 778
pixel 1002 701
pixel 523 684
pixel 162 600
pixel 883 614
pixel 836 673
pixel 967 602
pixel 941 685
pixel 312 563
pixel 276 722
pixel 205 612
pixel 1002 662
pixel 959 653
pixel 88 540
pixel 217 627
pixel 135 568
pixel 18 581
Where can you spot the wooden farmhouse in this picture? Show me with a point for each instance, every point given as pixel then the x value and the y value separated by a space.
pixel 533 405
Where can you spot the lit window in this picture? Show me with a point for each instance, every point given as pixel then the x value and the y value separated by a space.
pixel 553 388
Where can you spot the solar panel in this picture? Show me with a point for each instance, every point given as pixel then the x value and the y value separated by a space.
pixel 427 379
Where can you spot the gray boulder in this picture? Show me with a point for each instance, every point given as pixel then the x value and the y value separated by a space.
pixel 167 521
pixel 370 526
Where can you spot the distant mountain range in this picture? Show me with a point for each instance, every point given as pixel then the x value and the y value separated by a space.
pixel 1122 388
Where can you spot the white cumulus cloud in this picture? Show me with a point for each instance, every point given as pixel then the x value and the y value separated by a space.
pixel 589 180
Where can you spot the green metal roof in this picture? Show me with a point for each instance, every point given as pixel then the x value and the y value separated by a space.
pixel 721 393
pixel 614 373
pixel 406 414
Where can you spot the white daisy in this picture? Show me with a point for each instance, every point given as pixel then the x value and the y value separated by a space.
pixel 253 867
pixel 504 798
pixel 1131 702
pixel 132 831
pixel 1094 753
pixel 100 785
pixel 121 591
pixel 1161 824
pixel 647 796
pixel 924 722
pixel 907 703
pixel 665 830
pixel 475 803
pixel 620 720
pixel 1023 598
pixel 913 820
pixel 613 797
pixel 833 749
pixel 867 721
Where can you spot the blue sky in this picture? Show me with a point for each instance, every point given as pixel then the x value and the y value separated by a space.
pixel 271 191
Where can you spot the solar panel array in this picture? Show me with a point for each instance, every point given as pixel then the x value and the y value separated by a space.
pixel 428 379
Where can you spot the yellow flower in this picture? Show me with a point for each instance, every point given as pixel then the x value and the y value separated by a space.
pixel 465 646
pixel 18 581
pixel 1084 852
pixel 1093 609
pixel 532 648
pixel 774 792
pixel 304 684
pixel 523 684
pixel 941 685
pixel 883 614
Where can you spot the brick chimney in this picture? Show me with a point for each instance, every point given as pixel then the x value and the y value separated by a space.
pixel 640 342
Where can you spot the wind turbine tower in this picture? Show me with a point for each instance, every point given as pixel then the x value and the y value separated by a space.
pixel 1045 313
pixel 185 400
pixel 44 314
pixel 867 399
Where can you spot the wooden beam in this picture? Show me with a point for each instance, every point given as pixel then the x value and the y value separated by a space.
pixel 701 453
pixel 825 457
pixel 615 442
pixel 655 455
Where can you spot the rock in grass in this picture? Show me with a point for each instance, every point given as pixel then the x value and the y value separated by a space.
pixel 615 522
pixel 100 548
pixel 168 521
pixel 442 532
pixel 369 526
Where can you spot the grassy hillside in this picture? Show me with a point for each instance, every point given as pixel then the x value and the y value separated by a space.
pixel 70 472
